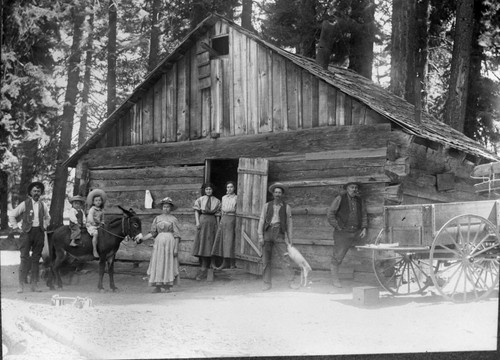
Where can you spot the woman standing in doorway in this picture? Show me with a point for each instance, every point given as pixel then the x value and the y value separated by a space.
pixel 224 239
pixel 207 215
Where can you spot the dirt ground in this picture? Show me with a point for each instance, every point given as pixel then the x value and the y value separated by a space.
pixel 233 317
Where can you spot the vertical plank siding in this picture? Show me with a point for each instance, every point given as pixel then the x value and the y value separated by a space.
pixel 250 90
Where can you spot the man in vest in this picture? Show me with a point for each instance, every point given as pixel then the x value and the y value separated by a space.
pixel 35 219
pixel 347 215
pixel 275 225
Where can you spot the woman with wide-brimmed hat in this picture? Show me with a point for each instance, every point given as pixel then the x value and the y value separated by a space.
pixel 207 215
pixel 163 267
pixel 95 218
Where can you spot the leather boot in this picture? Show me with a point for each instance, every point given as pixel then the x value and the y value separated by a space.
pixel 334 270
pixel 35 288
pixel 20 289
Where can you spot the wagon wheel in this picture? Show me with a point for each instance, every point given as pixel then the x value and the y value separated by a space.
pixel 400 271
pixel 467 249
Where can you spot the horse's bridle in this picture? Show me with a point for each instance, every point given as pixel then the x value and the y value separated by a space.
pixel 123 228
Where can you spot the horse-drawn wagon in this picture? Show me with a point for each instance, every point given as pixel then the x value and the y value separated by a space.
pixel 454 247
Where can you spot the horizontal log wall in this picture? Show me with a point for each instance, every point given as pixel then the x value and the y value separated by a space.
pixel 252 90
pixel 427 163
pixel 315 164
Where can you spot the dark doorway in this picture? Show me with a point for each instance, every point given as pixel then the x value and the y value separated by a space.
pixel 220 171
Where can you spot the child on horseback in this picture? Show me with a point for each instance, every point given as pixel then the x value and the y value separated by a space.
pixel 77 218
pixel 95 217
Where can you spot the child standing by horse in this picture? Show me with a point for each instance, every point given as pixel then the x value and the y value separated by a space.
pixel 95 218
pixel 77 218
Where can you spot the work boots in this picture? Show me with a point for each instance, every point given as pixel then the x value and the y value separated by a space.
pixel 334 270
pixel 35 288
pixel 20 289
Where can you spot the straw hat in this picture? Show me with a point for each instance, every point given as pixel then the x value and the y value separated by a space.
pixel 77 198
pixel 169 201
pixel 93 194
pixel 37 184
pixel 277 185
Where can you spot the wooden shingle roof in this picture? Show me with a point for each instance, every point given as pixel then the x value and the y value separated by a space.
pixel 382 101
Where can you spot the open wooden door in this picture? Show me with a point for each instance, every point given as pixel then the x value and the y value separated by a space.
pixel 252 191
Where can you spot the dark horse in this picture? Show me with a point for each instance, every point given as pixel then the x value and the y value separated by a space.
pixel 111 235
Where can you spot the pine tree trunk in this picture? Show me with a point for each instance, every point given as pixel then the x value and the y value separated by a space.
pixel 61 173
pixel 474 88
pixel 4 219
pixel 362 38
pixel 246 15
pixel 421 59
pixel 198 13
pixel 402 54
pixel 27 153
pixel 111 80
pixel 154 43
pixel 325 44
pixel 456 104
pixel 82 133
pixel 308 37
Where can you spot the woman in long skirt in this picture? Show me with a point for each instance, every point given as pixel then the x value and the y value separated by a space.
pixel 207 215
pixel 164 264
pixel 224 239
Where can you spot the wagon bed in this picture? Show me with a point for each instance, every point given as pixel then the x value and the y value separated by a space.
pixel 454 247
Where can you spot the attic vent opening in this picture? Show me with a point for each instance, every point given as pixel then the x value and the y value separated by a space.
pixel 221 44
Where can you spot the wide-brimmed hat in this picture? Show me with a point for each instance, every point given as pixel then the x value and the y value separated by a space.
pixel 76 198
pixel 93 194
pixel 352 183
pixel 169 201
pixel 37 184
pixel 277 185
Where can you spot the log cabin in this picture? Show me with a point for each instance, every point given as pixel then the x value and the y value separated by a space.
pixel 227 105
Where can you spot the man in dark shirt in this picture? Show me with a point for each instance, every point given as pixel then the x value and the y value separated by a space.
pixel 347 215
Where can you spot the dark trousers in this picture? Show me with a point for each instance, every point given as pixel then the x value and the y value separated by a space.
pixel 31 241
pixel 343 240
pixel 271 236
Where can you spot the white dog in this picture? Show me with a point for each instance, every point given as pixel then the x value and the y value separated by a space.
pixel 298 259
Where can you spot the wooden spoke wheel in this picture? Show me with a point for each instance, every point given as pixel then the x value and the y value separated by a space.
pixel 467 251
pixel 402 270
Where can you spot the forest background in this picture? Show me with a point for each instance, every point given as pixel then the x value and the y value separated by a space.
pixel 67 64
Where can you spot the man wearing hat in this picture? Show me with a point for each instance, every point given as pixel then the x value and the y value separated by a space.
pixel 76 218
pixel 275 224
pixel 35 219
pixel 347 215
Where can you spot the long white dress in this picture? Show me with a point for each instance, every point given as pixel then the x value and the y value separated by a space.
pixel 163 266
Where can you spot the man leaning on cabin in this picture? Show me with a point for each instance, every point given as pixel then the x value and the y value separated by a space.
pixel 35 219
pixel 275 225
pixel 347 215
